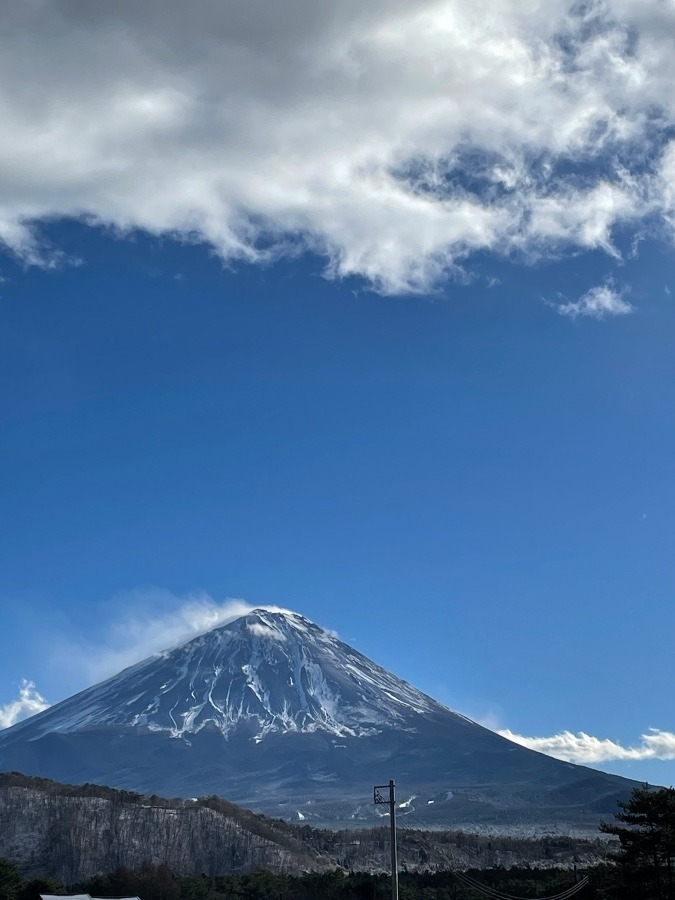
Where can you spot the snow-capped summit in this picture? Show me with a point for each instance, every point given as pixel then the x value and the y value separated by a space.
pixel 268 672
pixel 274 712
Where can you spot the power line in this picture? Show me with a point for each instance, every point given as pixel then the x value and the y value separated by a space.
pixel 494 894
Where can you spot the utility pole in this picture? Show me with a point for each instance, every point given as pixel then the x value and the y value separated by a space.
pixel 381 798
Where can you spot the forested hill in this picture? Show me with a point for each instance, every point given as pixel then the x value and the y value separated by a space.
pixel 70 832
pixel 74 832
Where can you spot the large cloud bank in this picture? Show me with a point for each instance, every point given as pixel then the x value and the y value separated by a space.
pixel 394 138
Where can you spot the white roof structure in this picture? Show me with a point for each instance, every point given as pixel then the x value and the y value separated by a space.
pixel 79 897
pixel 61 897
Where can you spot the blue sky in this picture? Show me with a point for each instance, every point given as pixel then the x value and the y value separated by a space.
pixel 408 375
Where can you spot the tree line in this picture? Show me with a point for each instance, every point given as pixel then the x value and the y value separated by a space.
pixel 156 882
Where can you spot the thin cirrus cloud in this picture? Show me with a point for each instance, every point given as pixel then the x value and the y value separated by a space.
pixel 584 748
pixel 393 139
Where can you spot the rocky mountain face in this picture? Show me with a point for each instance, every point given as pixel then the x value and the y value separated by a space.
pixel 73 833
pixel 277 714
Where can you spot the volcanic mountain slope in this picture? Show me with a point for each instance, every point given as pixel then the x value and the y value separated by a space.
pixel 277 714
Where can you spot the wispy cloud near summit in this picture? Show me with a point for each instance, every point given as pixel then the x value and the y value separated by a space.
pixel 394 139
pixel 148 621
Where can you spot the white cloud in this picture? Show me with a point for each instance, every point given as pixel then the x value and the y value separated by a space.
pixel 392 138
pixel 584 748
pixel 147 621
pixel 27 704
pixel 597 303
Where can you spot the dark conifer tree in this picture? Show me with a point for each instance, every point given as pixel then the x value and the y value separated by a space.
pixel 645 827
pixel 11 880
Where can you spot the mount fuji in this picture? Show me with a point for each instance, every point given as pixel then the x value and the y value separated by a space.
pixel 279 715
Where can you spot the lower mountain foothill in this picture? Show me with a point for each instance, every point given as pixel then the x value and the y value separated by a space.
pixel 72 833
